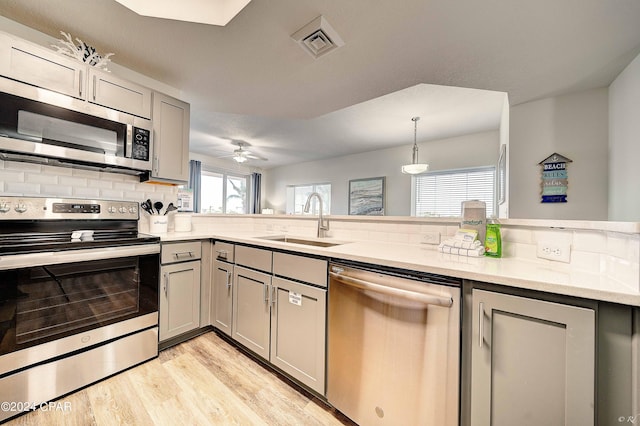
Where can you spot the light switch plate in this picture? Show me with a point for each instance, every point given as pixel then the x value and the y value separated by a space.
pixel 554 250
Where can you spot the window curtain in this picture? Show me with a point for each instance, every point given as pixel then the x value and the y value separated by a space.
pixel 195 182
pixel 256 183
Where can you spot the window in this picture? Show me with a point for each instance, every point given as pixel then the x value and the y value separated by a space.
pixel 297 196
pixel 442 193
pixel 224 193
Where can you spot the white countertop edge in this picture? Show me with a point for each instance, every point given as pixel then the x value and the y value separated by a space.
pixel 602 225
pixel 510 272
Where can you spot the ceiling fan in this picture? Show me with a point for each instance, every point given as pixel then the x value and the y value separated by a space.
pixel 241 154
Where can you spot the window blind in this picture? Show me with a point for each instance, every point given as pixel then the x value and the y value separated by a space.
pixel 442 193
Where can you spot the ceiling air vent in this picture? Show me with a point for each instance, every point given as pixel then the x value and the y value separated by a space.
pixel 318 38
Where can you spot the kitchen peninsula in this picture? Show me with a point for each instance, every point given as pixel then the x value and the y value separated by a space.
pixel 393 243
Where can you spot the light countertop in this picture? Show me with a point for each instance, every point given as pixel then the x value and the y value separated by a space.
pixel 547 276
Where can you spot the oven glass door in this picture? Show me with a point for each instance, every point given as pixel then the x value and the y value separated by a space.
pixel 43 303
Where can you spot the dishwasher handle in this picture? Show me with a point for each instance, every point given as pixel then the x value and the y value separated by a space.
pixel 428 299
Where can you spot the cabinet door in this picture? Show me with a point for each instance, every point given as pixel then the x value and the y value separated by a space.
pixel 108 90
pixel 222 296
pixel 532 362
pixel 179 299
pixel 41 67
pixel 298 331
pixel 170 138
pixel 251 313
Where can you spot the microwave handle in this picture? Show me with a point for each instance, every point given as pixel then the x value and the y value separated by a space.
pixel 128 150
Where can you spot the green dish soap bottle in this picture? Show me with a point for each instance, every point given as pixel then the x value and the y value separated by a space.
pixel 493 241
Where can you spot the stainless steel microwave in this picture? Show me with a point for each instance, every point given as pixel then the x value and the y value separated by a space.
pixel 43 127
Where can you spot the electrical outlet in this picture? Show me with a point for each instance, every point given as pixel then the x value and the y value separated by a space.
pixel 430 238
pixel 556 250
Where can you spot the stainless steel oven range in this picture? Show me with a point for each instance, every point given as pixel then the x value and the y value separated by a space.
pixel 78 296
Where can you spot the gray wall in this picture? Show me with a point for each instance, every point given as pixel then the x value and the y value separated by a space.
pixel 624 144
pixel 480 149
pixel 573 125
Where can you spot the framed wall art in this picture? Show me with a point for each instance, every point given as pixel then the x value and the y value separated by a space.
pixel 366 196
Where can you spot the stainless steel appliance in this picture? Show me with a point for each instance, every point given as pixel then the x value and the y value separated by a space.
pixel 57 130
pixel 393 346
pixel 78 295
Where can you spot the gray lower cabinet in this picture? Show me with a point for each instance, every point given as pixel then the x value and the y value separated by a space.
pixel 179 289
pixel 298 331
pixel 281 320
pixel 251 310
pixel 532 362
pixel 222 300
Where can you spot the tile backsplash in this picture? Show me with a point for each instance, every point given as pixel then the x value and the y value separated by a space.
pixel 35 180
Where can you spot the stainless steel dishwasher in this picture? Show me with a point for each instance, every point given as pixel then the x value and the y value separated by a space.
pixel 393 346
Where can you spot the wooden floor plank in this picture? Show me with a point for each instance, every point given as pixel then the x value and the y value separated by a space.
pixel 116 401
pixel 216 399
pixel 204 381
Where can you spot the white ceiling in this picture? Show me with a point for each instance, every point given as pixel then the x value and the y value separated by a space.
pixel 250 81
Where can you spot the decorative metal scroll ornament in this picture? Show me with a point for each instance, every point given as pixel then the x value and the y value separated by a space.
pixel 82 52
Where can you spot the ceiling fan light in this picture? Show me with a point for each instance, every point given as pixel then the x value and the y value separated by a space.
pixel 240 158
pixel 414 169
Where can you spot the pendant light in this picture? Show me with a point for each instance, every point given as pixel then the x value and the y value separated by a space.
pixel 415 168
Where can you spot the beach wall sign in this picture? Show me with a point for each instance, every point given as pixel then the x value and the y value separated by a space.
pixel 554 179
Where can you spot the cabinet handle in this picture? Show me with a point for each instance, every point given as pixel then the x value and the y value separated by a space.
pixel 94 87
pixel 166 284
pixel 80 88
pixel 228 279
pixel 274 293
pixel 265 293
pixel 222 254
pixel 183 253
pixel 481 324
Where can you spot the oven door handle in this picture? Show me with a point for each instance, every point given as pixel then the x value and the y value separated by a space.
pixel 428 299
pixel 28 260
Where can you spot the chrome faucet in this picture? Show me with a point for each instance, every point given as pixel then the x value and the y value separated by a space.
pixel 322 226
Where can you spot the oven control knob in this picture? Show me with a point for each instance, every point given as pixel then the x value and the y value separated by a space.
pixel 20 208
pixel 122 209
pixel 4 207
pixel 111 209
pixel 132 209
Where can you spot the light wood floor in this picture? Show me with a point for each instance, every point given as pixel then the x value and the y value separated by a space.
pixel 205 381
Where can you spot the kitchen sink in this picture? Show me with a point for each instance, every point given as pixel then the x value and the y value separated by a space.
pixel 302 241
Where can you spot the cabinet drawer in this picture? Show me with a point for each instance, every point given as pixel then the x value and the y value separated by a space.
pixel 224 251
pixel 254 258
pixel 181 252
pixel 300 268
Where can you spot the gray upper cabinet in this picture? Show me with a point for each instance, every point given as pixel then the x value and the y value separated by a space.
pixel 532 362
pixel 110 91
pixel 170 139
pixel 41 67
